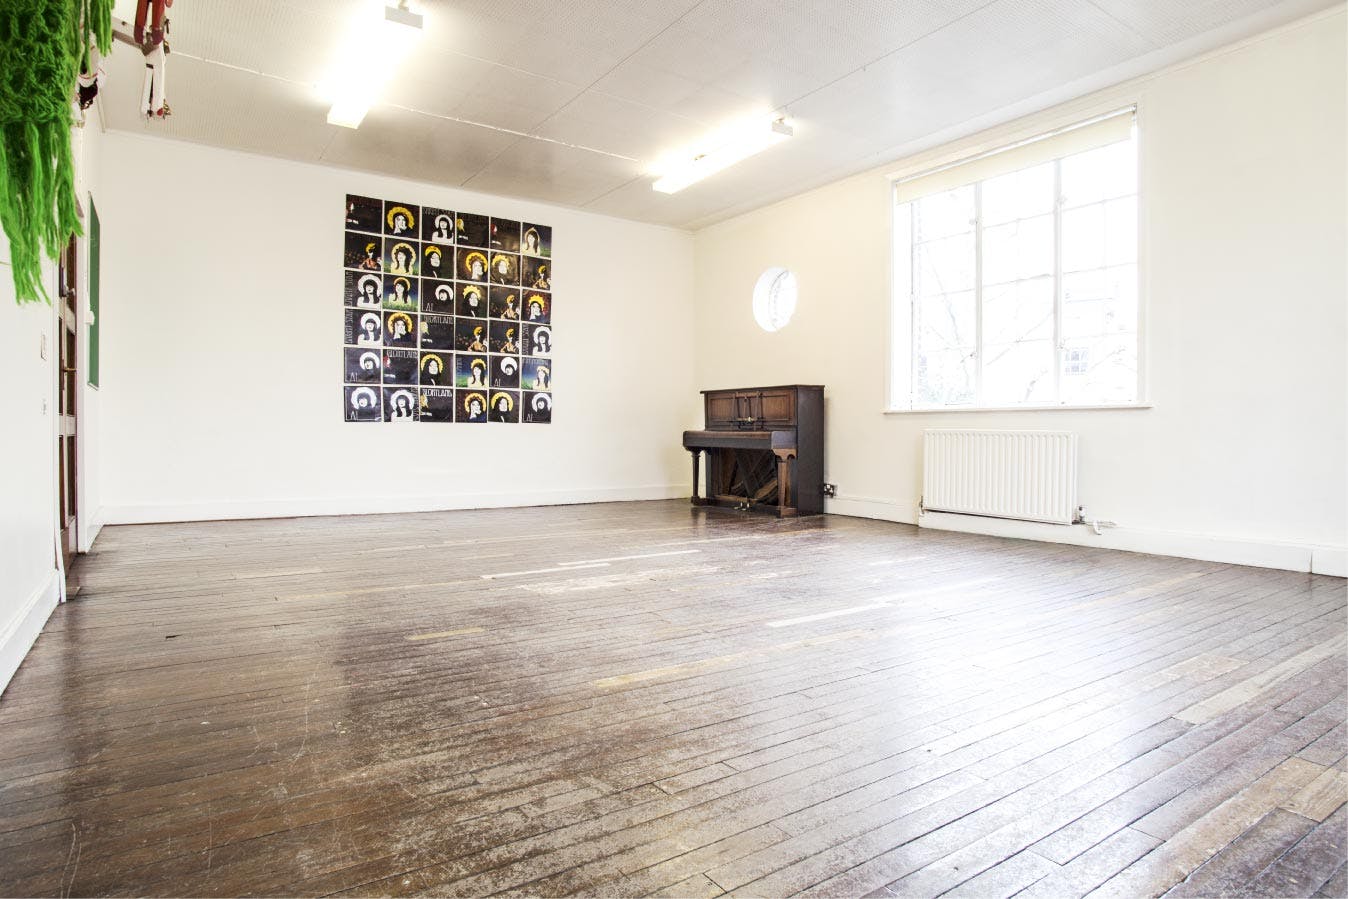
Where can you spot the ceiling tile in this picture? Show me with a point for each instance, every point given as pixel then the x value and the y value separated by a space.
pixel 220 106
pixel 552 172
pixel 508 98
pixel 780 171
pixel 637 79
pixel 415 146
pixel 618 126
pixel 575 41
pixel 1168 23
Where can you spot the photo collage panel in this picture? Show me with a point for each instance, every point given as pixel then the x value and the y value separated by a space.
pixel 447 315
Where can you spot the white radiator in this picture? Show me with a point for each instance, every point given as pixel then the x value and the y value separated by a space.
pixel 1029 475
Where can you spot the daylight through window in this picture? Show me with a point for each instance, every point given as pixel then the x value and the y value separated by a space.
pixel 1018 286
pixel 774 299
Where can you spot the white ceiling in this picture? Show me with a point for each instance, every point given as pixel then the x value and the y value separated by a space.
pixel 569 101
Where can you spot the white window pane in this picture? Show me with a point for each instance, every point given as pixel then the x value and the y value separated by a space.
pixel 1019 250
pixel 1022 310
pixel 945 266
pixel 1018 373
pixel 941 215
pixel 1110 171
pixel 1121 231
pixel 946 322
pixel 904 285
pixel 1100 370
pixel 1100 302
pixel 1018 195
pixel 945 378
pixel 1083 238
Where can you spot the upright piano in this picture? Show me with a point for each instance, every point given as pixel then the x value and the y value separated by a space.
pixel 764 448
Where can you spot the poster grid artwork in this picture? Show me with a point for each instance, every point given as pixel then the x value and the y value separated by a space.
pixel 447 315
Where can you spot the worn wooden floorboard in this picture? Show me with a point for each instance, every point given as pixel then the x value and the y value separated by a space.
pixel 643 699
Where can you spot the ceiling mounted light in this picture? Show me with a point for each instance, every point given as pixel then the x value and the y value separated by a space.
pixel 719 151
pixel 355 83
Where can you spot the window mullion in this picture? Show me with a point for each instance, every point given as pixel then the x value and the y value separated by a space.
pixel 1057 281
pixel 978 294
pixel 912 305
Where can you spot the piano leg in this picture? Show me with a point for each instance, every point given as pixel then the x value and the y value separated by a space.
pixel 697 479
pixel 786 498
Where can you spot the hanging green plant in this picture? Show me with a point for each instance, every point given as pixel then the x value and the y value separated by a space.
pixel 42 45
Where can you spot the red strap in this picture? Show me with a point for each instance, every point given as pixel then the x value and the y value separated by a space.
pixel 142 7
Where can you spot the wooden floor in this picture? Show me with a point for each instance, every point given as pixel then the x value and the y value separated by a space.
pixel 643 699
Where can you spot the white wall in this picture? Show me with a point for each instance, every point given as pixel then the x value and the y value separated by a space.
pixel 30 578
pixel 222 356
pixel 1243 456
pixel 29 582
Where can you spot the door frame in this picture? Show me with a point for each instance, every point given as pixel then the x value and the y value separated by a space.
pixel 68 298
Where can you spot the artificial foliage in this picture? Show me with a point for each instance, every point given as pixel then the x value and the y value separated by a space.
pixel 43 43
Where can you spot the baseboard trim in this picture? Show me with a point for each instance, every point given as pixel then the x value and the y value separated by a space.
pixel 1316 559
pixel 21 632
pixel 872 507
pixel 89 531
pixel 366 505
pixel 1331 560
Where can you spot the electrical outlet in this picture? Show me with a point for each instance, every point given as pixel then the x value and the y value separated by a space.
pixel 830 489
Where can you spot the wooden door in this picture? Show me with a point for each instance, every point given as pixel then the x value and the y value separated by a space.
pixel 67 350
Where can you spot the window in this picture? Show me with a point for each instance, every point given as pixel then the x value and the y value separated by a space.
pixel 774 299
pixel 1016 276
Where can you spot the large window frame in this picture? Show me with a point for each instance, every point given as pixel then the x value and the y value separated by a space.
pixel 902 382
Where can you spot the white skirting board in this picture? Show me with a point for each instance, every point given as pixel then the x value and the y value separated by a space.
pixel 1317 559
pixel 227 510
pixel 19 633
pixel 88 532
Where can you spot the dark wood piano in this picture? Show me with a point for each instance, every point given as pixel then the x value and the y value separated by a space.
pixel 764 447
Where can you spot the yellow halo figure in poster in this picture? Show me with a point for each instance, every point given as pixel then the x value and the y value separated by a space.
pixel 400 329
pixel 509 401
pixel 402 259
pixel 536 306
pixel 503 269
pixel 475 266
pixel 475 407
pixel 401 220
pixel 433 370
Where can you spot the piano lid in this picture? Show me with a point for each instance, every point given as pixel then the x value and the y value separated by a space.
pixel 768 387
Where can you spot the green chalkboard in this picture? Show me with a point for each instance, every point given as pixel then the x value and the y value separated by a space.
pixel 94 238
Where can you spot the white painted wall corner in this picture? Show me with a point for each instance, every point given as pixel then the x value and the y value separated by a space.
pixel 22 630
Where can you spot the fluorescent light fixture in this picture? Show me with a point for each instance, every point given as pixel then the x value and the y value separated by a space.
pixel 371 53
pixel 719 151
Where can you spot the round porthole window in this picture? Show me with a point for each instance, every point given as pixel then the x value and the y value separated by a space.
pixel 774 299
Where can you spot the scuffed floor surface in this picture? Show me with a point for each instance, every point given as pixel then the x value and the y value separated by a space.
pixel 645 699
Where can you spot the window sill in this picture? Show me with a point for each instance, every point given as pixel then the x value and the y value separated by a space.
pixel 941 410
